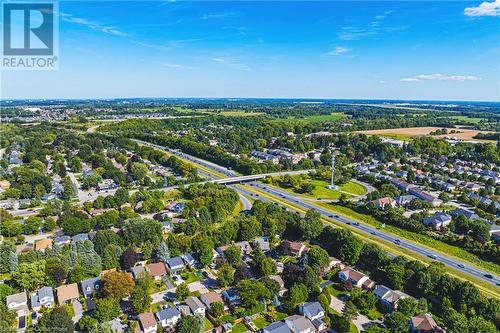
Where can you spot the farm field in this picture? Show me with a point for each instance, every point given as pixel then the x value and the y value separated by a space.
pixel 410 132
pixel 335 116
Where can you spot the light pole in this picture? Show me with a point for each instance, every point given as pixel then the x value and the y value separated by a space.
pixel 332 186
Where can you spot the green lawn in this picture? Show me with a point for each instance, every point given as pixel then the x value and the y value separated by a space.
pixel 191 276
pixel 260 322
pixel 321 190
pixel 239 328
pixel 208 325
pixel 397 136
pixel 419 238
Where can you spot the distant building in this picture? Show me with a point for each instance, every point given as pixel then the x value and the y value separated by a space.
pixel 437 221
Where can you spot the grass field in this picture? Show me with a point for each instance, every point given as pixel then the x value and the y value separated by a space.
pixel 468 119
pixel 239 328
pixel 260 322
pixel 321 190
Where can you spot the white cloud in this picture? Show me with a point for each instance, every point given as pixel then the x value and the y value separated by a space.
pixel 233 63
pixel 484 9
pixel 339 50
pixel 440 77
pixel 93 25
pixel 220 15
pixel 177 66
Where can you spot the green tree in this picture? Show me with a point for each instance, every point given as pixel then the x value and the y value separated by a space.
pixel 318 259
pixel 30 275
pixel 311 226
pixel 225 275
pixel 182 292
pixel 87 324
pixel 140 299
pixel 69 188
pixel 55 320
pixel 350 311
pixel 189 324
pixel 395 276
pixel 296 295
pixel 217 309
pixel 397 322
pixel 233 255
pixel 32 225
pixel 251 291
pixel 163 252
pixel 106 309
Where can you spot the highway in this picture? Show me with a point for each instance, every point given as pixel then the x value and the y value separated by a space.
pixel 304 204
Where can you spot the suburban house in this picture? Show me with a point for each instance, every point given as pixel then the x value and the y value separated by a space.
pixel 231 296
pixel 137 271
pixel 295 249
pixel 381 203
pixel 189 260
pixel 388 297
pixel 211 297
pixel 421 194
pixel 437 221
pixel 404 200
pixel 334 262
pixel 263 243
pixel 245 247
pixel 90 286
pixel 166 226
pixel 175 265
pixel 43 244
pixel 195 305
pixel 18 303
pixel 357 279
pixel 62 240
pixel 80 237
pixel 467 213
pixel 42 298
pixel 299 324
pixel 168 317
pixel 67 293
pixel 281 283
pixel 312 310
pixel 424 323
pixel 148 322
pixel 157 270
pixel 277 327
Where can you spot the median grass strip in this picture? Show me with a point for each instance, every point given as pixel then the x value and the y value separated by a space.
pixel 425 240
pixel 485 287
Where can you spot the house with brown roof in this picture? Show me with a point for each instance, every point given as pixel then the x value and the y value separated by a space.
pixel 211 297
pixel 67 293
pixel 157 270
pixel 42 244
pixel 295 249
pixel 147 322
pixel 424 323
pixel 357 279
pixel 381 203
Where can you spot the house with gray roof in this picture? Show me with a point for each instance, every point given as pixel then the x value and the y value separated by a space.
pixel 388 297
pixel 18 303
pixel 62 240
pixel 175 265
pixel 312 310
pixel 43 297
pixel 90 286
pixel 437 221
pixel 137 271
pixel 80 237
pixel 189 260
pixel 299 324
pixel 168 317
pixel 465 212
pixel 195 305
pixel 277 327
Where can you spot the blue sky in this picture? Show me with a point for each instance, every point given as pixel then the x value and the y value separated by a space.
pixel 333 49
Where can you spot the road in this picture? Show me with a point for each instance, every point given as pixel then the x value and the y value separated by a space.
pixel 386 236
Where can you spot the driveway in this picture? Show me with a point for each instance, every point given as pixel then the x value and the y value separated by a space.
pixel 78 307
pixel 198 286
